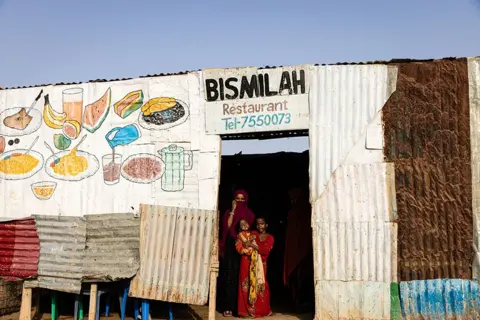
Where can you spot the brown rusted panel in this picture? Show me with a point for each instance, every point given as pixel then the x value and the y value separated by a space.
pixel 427 136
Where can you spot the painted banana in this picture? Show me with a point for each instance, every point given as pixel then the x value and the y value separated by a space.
pixel 52 118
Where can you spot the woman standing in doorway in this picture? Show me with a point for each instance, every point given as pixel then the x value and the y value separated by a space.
pixel 231 259
pixel 254 301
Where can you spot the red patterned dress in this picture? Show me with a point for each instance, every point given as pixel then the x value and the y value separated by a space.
pixel 261 308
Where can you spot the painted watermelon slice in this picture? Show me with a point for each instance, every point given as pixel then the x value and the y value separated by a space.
pixel 96 113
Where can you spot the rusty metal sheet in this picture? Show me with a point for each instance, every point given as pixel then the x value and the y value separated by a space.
pixel 112 246
pixel 19 249
pixel 427 137
pixel 175 254
pixel 62 252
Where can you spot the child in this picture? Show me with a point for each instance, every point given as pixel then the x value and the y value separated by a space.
pixel 252 276
pixel 243 236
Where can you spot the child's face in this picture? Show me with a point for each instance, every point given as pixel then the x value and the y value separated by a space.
pixel 244 226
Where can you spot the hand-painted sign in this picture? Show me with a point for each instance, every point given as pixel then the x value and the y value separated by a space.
pixel 251 99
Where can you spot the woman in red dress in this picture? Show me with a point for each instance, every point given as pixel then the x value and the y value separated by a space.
pixel 254 301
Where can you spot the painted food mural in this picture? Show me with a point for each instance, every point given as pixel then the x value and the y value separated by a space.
pixel 163 113
pixel 142 168
pixel 65 114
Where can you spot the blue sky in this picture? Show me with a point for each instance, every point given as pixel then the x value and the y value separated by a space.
pixel 64 41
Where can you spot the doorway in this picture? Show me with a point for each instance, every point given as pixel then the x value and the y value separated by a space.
pixel 272 180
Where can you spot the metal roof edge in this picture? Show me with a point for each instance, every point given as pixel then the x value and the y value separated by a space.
pixel 391 61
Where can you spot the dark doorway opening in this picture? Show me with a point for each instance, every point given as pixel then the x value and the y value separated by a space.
pixel 271 180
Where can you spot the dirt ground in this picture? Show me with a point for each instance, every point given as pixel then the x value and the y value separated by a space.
pixel 193 313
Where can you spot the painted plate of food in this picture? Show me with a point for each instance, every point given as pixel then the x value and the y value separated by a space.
pixel 142 168
pixel 17 165
pixel 74 165
pixel 163 113
pixel 16 122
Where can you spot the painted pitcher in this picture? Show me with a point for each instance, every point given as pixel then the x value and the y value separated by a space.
pixel 123 135
pixel 177 160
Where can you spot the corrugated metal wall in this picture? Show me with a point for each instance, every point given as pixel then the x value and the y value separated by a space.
pixel 175 254
pixel 62 252
pixel 474 98
pixel 427 135
pixel 354 211
pixel 19 249
pixel 112 246
pixel 440 299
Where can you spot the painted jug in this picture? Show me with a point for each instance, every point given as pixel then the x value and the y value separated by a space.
pixel 177 160
pixel 123 135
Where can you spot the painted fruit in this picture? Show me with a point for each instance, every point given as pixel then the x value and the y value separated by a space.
pixel 61 142
pixel 96 113
pixel 129 104
pixel 52 118
pixel 2 144
pixel 71 129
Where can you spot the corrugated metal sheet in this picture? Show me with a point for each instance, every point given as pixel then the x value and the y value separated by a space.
pixel 356 239
pixel 427 137
pixel 474 98
pixel 112 247
pixel 19 249
pixel 175 254
pixel 62 252
pixel 440 299
pixel 354 232
pixel 343 101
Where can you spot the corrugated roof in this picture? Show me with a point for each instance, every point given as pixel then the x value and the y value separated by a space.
pixel 175 254
pixel 392 61
pixel 19 249
pixel 112 247
pixel 62 252
pixel 440 299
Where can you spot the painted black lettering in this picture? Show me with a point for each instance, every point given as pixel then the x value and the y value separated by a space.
pixel 285 82
pixel 249 88
pixel 261 85
pixel 211 89
pixel 222 89
pixel 298 82
pixel 269 93
pixel 229 86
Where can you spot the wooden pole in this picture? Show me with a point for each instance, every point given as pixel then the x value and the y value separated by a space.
pixel 93 301
pixel 214 266
pixel 26 306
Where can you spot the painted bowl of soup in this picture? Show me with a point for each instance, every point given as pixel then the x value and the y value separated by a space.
pixel 43 190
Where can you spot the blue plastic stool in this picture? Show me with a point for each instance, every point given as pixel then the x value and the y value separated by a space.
pixel 146 309
pixel 123 302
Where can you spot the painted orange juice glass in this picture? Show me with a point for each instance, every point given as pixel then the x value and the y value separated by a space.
pixel 73 104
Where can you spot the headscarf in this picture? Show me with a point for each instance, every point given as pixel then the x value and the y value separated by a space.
pixel 241 212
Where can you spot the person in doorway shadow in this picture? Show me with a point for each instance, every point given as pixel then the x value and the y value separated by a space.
pixel 298 261
pixel 230 257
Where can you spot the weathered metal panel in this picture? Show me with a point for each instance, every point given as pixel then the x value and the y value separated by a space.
pixel 112 246
pixel 441 299
pixel 351 191
pixel 343 101
pixel 19 249
pixel 62 252
pixel 175 253
pixel 427 136
pixel 474 98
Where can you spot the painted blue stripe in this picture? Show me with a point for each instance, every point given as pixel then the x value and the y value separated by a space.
pixel 442 298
